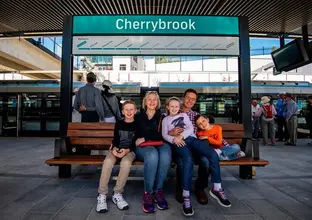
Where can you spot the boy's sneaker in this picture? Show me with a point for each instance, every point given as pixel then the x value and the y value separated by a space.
pixel 187 207
pixel 101 206
pixel 159 198
pixel 220 197
pixel 120 201
pixel 147 203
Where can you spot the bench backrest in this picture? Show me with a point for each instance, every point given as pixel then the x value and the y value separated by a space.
pixel 233 133
pixel 101 134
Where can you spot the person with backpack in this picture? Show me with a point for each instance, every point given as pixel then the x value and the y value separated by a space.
pixel 268 113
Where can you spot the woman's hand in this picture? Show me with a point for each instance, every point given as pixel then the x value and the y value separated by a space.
pixel 139 141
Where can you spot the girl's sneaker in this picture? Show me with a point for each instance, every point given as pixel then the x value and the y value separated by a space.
pixel 220 197
pixel 187 207
pixel 120 201
pixel 241 154
pixel 147 203
pixel 159 198
pixel 101 206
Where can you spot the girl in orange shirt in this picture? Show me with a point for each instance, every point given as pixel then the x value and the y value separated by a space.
pixel 213 133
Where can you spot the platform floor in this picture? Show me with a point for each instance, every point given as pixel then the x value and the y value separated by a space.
pixel 29 189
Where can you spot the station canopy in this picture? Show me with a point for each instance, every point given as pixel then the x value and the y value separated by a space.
pixel 271 17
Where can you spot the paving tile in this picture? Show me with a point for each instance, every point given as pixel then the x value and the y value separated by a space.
pixel 38 216
pixel 68 217
pixel 111 215
pixel 242 217
pixel 55 200
pixel 282 200
pixel 87 193
pixel 37 194
pixel 17 207
pixel 266 210
pixel 78 206
pixel 140 217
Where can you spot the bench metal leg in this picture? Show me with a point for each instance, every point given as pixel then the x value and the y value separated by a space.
pixel 64 171
pixel 245 172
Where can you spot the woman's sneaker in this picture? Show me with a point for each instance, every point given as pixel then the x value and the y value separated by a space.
pixel 120 201
pixel 159 198
pixel 147 203
pixel 187 207
pixel 220 197
pixel 101 206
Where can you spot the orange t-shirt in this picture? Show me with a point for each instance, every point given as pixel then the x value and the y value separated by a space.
pixel 214 136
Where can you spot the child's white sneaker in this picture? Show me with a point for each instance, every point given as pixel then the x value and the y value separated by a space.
pixel 241 154
pixel 120 201
pixel 101 204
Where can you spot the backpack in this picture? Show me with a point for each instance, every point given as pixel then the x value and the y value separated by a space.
pixel 268 111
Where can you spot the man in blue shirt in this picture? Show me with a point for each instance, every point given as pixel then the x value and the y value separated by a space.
pixel 281 125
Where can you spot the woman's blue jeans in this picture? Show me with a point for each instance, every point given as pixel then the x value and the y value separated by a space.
pixel 157 161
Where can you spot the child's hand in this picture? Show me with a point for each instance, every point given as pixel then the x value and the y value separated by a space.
pixel 114 151
pixel 139 141
pixel 123 152
pixel 203 137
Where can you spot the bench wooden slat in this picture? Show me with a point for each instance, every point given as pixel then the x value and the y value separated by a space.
pixel 233 140
pixel 233 134
pixel 98 160
pixel 232 127
pixel 90 133
pixel 91 126
pixel 91 141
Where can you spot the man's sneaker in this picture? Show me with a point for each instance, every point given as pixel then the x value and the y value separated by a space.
pixel 120 201
pixel 220 197
pixel 187 207
pixel 159 198
pixel 101 206
pixel 147 203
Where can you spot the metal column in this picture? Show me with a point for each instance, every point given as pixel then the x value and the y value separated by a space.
pixel 66 76
pixel 282 40
pixel 244 84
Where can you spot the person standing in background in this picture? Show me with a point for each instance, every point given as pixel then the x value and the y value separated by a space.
pixel 268 113
pixel 89 102
pixel 291 117
pixel 76 116
pixel 308 116
pixel 256 113
pixel 281 124
pixel 110 103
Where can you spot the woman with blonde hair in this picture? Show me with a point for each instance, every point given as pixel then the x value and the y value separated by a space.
pixel 155 154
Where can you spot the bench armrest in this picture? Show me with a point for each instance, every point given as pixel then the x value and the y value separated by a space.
pixel 60 147
pixel 251 147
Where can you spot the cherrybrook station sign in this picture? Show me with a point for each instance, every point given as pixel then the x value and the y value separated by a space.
pixel 158 25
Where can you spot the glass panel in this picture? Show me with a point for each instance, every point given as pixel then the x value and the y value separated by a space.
pixel 52 125
pixel 52 106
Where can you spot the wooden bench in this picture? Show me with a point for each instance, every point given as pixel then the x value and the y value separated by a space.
pixel 98 136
